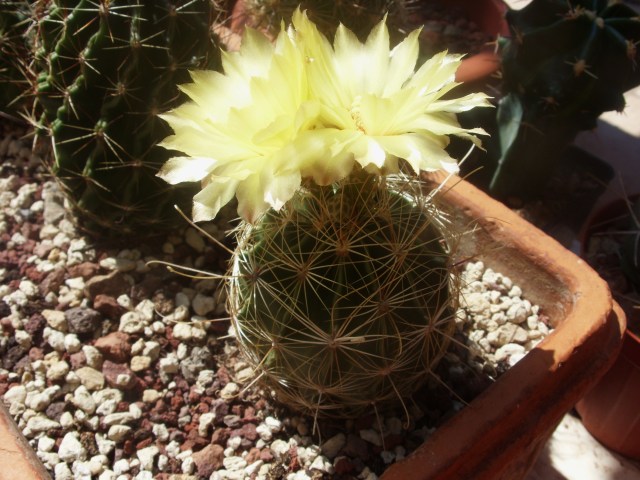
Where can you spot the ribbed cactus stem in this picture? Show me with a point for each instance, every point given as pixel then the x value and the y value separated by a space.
pixel 344 299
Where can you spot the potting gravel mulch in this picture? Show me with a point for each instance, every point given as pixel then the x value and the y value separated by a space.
pixel 117 368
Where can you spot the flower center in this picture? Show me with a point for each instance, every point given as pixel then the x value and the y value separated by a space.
pixel 356 115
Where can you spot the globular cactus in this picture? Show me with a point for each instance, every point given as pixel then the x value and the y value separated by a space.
pixel 15 78
pixel 565 64
pixel 105 70
pixel 344 299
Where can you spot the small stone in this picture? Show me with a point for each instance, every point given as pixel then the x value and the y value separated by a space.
pixel 333 445
pixel 182 332
pixel 72 343
pixel 208 460
pixel 119 375
pixel 203 304
pixel 140 363
pixel 71 449
pixel 55 319
pixel 147 456
pixel 230 391
pixel 92 356
pixel 132 322
pixel 118 433
pixel 91 378
pixel 57 371
pixel 114 346
pixel 83 400
pixel 150 396
pixel 38 424
pixel 82 320
pixel 194 240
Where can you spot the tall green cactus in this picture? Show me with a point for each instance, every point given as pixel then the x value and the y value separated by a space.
pixel 14 55
pixel 343 299
pixel 106 69
pixel 565 64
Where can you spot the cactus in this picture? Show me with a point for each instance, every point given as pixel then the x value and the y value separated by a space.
pixel 566 63
pixel 357 15
pixel 343 299
pixel 15 79
pixel 105 70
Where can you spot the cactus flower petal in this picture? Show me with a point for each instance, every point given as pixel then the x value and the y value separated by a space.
pixel 302 109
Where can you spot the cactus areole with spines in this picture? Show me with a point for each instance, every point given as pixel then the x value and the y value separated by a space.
pixel 341 291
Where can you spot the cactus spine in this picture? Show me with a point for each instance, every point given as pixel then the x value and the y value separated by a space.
pixel 343 300
pixel 106 69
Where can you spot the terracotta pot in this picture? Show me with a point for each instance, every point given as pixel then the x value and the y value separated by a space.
pixel 17 458
pixel 489 15
pixel 610 410
pixel 500 433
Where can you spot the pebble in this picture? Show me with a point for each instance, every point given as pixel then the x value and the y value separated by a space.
pixel 118 433
pixel 91 378
pixel 147 456
pixel 71 449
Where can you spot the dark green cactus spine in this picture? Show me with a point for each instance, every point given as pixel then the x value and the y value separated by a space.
pixel 107 69
pixel 565 64
pixel 344 299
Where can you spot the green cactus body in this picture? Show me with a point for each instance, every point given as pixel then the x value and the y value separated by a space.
pixel 14 49
pixel 344 299
pixel 565 64
pixel 106 70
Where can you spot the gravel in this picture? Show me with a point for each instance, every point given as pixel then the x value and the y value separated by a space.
pixel 114 368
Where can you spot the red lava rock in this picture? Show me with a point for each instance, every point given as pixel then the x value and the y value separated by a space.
pixel 108 306
pixel 113 284
pixel 208 460
pixel 177 401
pixel 223 375
pixel 252 455
pixel 202 407
pixel 220 436
pixel 266 455
pixel 52 282
pixel 36 353
pixel 247 431
pixel 144 443
pixel 6 325
pixel 85 270
pixel 128 448
pixel 35 324
pixel 114 372
pixel 114 346
pixel 34 275
pixel 77 360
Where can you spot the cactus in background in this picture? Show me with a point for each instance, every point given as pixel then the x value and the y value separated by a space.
pixel 105 71
pixel 344 297
pixel 360 16
pixel 15 78
pixel 565 64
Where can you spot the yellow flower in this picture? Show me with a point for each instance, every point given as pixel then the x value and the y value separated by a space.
pixel 300 108
pixel 243 132
pixel 380 107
